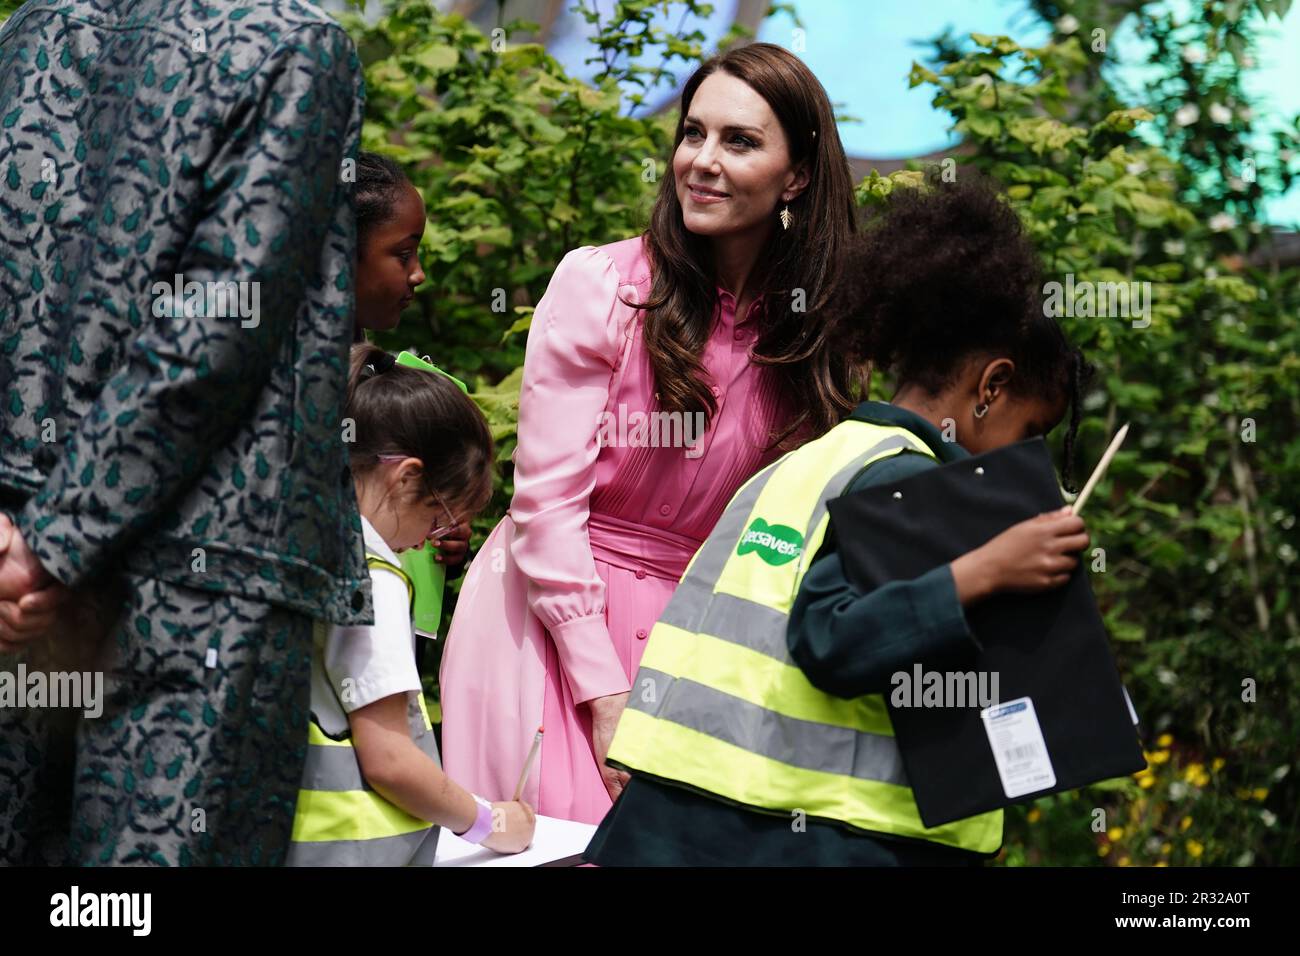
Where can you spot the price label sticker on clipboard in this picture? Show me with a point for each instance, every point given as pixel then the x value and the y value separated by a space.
pixel 1019 751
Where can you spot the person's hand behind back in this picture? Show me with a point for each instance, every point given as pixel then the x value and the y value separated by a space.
pixel 30 599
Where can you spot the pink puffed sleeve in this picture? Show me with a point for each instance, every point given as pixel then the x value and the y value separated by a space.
pixel 573 348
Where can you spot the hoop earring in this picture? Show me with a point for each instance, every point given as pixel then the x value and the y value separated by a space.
pixel 981 410
pixel 786 218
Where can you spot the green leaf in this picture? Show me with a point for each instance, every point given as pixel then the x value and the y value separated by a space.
pixel 521 324
pixel 1123 121
pixel 920 74
pixel 983 124
pixel 437 58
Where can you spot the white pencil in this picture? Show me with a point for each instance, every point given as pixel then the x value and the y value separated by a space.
pixel 528 764
pixel 1100 469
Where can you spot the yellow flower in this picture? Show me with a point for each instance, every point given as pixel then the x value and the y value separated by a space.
pixel 1184 823
pixel 1162 863
pixel 1035 815
pixel 1103 850
pixel 1195 849
pixel 1115 834
pixel 1146 783
pixel 1160 756
pixel 1164 740
pixel 1166 849
pixel 1218 764
pixel 1123 861
pixel 1193 770
pixel 1260 793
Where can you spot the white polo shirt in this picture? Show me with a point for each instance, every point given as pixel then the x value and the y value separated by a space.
pixel 352 666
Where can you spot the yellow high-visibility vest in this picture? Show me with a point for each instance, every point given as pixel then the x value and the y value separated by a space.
pixel 719 706
pixel 340 820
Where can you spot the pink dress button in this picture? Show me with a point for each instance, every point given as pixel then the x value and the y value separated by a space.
pixel 665 509
pixel 640 634
pixel 717 392
pixel 640 575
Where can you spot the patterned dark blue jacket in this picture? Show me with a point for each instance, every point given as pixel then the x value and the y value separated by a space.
pixel 176 295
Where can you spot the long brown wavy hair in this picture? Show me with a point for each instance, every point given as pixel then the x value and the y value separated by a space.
pixel 819 382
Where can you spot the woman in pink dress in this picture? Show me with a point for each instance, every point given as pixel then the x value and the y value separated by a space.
pixel 661 373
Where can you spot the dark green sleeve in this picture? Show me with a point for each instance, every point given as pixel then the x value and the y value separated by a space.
pixel 848 643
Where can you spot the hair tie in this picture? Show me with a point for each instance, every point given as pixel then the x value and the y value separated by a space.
pixel 382 363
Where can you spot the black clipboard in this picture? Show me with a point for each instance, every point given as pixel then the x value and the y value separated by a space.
pixel 1051 647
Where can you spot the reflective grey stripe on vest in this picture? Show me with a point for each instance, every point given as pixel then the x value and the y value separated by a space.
pixel 696 608
pixel 406 849
pixel 799 743
pixel 337 768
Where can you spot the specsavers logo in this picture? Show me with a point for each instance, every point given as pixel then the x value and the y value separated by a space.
pixel 776 544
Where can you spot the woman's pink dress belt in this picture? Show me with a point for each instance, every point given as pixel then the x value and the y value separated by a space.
pixel 635 547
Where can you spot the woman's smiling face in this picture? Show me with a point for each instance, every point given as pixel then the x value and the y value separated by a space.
pixel 732 168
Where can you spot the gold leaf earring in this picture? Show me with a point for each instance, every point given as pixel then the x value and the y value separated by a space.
pixel 786 218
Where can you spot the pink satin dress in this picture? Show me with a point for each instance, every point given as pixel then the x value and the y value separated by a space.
pixel 556 607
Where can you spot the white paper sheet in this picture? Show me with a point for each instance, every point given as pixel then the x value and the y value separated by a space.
pixel 553 840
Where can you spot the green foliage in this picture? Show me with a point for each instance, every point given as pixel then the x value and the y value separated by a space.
pixel 518 164
pixel 1196 516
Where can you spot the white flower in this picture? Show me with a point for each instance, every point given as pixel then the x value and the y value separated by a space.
pixel 1281 772
pixel 1187 115
pixel 1194 54
pixel 1135 168
pixel 1222 222
pixel 1268 817
pixel 1220 114
pixel 1067 24
pixel 1174 247
pixel 1166 676
pixel 1177 790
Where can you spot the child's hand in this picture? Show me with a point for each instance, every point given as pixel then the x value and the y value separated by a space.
pixel 1035 555
pixel 453 546
pixel 517 822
